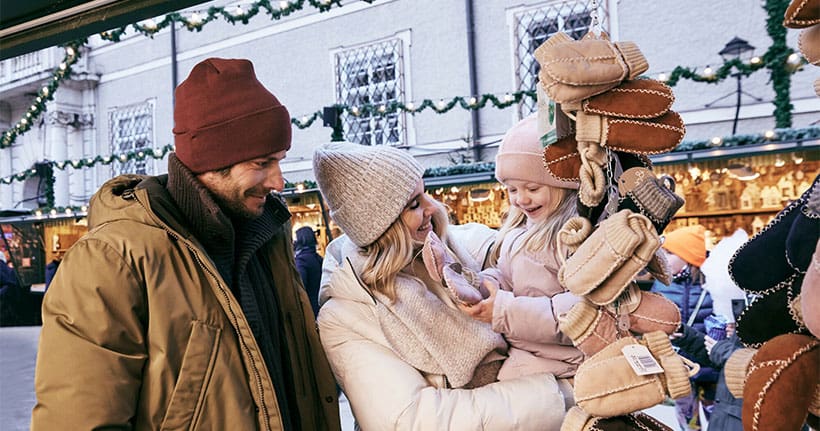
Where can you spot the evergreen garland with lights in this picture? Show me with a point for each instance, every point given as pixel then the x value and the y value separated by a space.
pixel 141 154
pixel 776 59
pixel 46 93
pixel 778 54
pixel 440 107
pixel 233 14
pixel 779 135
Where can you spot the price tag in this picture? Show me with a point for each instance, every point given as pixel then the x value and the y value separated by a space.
pixel 546 117
pixel 641 360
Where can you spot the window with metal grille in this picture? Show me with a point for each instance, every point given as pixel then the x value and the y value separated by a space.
pixel 131 128
pixel 374 75
pixel 535 25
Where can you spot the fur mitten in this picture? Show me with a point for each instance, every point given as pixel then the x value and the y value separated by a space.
pixel 575 70
pixel 607 385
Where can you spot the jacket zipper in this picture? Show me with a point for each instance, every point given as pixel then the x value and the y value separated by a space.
pixel 129 194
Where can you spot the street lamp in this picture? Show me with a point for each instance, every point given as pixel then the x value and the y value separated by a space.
pixel 736 49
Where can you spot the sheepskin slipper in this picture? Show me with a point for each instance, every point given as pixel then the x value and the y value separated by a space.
pixel 781 383
pixel 606 385
pixel 777 252
pixel 562 160
pixel 639 98
pixel 802 14
pixel 578 420
pixel 771 314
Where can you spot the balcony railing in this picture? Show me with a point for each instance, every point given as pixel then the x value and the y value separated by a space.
pixel 30 64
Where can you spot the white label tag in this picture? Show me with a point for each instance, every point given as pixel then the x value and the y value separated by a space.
pixel 545 117
pixel 641 360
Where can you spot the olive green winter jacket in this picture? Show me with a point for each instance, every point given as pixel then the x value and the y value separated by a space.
pixel 141 332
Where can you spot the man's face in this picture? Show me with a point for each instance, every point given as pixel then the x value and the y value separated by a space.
pixel 242 190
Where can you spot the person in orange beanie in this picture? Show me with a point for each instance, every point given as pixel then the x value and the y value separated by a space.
pixel 685 250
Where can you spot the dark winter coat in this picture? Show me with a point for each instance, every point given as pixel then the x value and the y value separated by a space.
pixel 685 292
pixel 727 413
pixel 309 264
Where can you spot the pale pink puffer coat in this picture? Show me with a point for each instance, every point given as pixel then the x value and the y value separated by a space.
pixel 526 311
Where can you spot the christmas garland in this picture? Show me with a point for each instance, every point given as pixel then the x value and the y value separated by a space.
pixel 46 93
pixel 778 53
pixel 776 59
pixel 779 135
pixel 232 14
pixel 440 107
pixel 155 153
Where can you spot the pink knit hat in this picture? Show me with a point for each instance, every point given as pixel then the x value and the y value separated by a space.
pixel 521 156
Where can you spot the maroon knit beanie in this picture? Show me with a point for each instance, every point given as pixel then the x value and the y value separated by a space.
pixel 224 115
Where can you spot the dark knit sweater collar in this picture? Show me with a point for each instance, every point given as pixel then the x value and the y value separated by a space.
pixel 229 243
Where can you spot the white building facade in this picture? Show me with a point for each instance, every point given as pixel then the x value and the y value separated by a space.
pixel 119 97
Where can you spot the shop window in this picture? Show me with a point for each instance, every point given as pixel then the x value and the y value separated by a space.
pixel 373 75
pixel 306 209
pixel 535 25
pixel 742 193
pixel 131 128
pixel 484 203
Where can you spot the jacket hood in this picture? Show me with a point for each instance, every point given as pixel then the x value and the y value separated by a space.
pixel 117 200
pixel 113 201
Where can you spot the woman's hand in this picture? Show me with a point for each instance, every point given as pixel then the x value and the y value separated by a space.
pixel 483 310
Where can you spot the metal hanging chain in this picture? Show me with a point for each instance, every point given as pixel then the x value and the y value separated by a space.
pixel 596 25
pixel 611 186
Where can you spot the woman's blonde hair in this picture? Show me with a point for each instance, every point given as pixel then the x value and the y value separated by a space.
pixel 541 236
pixel 394 250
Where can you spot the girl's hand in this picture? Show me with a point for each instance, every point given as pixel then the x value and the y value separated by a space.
pixel 482 311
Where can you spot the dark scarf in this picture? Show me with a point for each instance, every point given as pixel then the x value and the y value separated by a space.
pixel 236 248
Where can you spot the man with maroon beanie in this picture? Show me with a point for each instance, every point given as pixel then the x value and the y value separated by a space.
pixel 182 308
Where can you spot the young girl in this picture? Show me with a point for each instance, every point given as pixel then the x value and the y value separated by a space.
pixel 529 299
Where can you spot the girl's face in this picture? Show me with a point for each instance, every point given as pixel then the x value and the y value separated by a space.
pixel 676 264
pixel 418 213
pixel 536 201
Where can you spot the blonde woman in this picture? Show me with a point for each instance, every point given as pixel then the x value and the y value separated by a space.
pixel 403 352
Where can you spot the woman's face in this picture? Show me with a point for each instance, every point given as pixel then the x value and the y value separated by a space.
pixel 418 213
pixel 536 201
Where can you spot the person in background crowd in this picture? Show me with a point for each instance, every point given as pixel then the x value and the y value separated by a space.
pixel 10 294
pixel 309 264
pixel 52 266
pixel 181 308
pixel 526 307
pixel 708 352
pixel 685 250
pixel 404 353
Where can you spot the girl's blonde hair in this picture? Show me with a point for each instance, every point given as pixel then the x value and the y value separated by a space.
pixel 394 250
pixel 541 236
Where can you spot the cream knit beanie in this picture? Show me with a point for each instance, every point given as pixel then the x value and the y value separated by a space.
pixel 366 187
pixel 521 156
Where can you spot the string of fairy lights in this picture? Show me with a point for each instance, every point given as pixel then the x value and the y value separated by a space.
pixel 235 13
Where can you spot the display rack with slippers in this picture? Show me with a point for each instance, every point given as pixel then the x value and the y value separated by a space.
pixel 600 121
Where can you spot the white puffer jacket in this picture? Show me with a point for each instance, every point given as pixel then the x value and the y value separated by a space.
pixel 386 393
